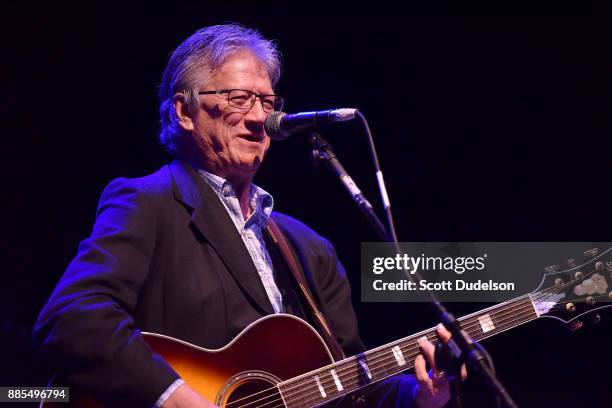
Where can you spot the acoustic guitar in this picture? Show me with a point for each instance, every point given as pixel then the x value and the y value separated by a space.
pixel 281 361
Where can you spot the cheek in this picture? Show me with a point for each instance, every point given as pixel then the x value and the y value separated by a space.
pixel 220 134
pixel 232 119
pixel 228 128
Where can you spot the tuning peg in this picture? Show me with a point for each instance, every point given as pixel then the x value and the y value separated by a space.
pixel 576 325
pixel 558 282
pixel 600 267
pixel 590 300
pixel 571 263
pixel 596 318
pixel 552 269
pixel 591 253
pixel 570 307
pixel 609 266
pixel 578 275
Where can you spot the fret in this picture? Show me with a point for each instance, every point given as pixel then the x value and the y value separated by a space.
pixel 348 375
pixel 355 372
pixel 377 356
pixel 296 394
pixel 328 385
pixel 337 380
pixel 312 389
pixel 398 354
pixel 296 401
pixel 486 323
pixel 364 369
pixel 320 386
pixel 310 393
pixel 381 356
pixel 306 392
pixel 499 318
pixel 411 350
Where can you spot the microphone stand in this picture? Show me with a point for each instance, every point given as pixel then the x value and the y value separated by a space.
pixel 322 151
pixel 460 344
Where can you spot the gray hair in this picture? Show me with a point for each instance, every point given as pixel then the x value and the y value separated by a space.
pixel 200 54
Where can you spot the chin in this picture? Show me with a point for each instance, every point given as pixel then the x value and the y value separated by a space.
pixel 251 167
pixel 246 169
pixel 252 161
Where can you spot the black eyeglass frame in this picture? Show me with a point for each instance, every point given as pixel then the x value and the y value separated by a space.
pixel 279 101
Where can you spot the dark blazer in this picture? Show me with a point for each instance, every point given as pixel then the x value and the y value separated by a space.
pixel 165 257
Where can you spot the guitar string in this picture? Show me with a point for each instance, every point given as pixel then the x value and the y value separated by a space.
pixel 307 400
pixel 309 396
pixel 471 324
pixel 350 364
pixel 506 326
pixel 542 295
pixel 521 302
pixel 429 333
pixel 390 362
pixel 468 323
pixel 563 306
pixel 560 305
pixel 404 346
pixel 389 369
pixel 430 336
pixel 538 297
pixel 554 288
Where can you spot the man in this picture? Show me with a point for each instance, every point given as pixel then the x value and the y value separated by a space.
pixel 184 252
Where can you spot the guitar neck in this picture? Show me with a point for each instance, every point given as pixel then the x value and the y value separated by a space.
pixel 348 375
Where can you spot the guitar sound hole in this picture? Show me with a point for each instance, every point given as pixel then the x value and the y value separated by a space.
pixel 249 390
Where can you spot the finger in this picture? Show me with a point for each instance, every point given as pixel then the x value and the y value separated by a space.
pixel 420 370
pixel 444 334
pixel 425 384
pixel 429 351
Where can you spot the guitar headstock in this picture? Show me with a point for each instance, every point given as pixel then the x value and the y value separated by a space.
pixel 577 292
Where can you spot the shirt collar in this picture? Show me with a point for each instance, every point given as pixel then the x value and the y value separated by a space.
pixel 260 201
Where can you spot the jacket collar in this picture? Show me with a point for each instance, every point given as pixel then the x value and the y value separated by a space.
pixel 210 218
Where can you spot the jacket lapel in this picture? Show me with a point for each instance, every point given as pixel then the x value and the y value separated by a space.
pixel 211 219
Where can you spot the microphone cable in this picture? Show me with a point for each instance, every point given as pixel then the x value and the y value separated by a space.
pixel 391 233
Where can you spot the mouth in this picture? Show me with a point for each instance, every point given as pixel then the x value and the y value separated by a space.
pixel 252 138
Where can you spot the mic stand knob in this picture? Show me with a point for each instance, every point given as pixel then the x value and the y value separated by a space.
pixel 316 157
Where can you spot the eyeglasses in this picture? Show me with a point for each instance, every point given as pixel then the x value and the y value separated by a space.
pixel 243 99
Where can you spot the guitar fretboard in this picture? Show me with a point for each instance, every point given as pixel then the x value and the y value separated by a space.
pixel 343 377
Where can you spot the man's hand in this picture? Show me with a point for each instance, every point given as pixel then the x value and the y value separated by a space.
pixel 185 397
pixel 432 392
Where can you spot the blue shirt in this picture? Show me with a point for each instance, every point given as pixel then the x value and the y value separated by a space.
pixel 251 230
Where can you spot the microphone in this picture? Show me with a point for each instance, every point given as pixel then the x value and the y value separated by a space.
pixel 280 125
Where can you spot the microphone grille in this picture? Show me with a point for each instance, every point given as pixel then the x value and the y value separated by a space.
pixel 272 126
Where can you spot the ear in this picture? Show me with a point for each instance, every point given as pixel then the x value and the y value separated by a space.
pixel 182 112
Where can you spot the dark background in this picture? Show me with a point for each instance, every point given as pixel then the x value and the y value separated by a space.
pixel 491 124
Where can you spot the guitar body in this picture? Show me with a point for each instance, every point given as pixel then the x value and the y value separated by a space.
pixel 272 349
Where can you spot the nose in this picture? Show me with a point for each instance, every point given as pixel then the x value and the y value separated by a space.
pixel 256 116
